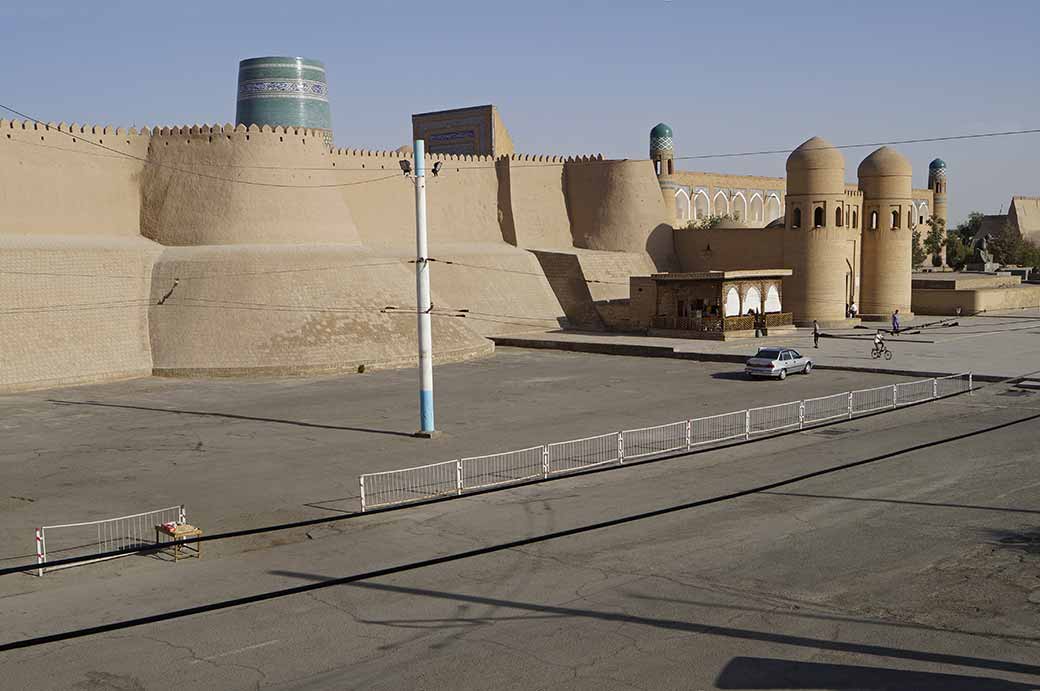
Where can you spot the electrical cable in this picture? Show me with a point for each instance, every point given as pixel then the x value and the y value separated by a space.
pixel 763 152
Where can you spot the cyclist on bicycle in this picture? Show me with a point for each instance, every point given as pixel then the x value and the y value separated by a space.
pixel 879 341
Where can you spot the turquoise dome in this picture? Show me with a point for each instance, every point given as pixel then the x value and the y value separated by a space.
pixel 661 130
pixel 660 138
pixel 937 164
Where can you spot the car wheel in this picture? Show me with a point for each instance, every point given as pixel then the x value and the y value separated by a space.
pixel 808 368
pixel 782 375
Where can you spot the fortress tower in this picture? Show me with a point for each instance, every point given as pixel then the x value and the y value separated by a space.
pixel 937 184
pixel 819 244
pixel 885 178
pixel 662 155
pixel 291 92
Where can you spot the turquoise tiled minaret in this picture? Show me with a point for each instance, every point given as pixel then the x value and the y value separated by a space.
pixel 291 92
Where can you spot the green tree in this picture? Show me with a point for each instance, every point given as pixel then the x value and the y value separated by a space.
pixel 1006 245
pixel 957 251
pixel 935 238
pixel 918 255
pixel 968 229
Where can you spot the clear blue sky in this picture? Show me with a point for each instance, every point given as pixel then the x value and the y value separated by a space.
pixel 574 77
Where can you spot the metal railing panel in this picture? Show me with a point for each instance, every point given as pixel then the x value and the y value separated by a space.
pixel 583 453
pixel 773 418
pixel 502 468
pixel 647 441
pixel 410 484
pixel 914 392
pixel 104 535
pixel 869 400
pixel 717 428
pixel 827 407
pixel 954 384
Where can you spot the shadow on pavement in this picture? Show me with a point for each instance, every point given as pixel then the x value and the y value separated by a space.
pixel 901 501
pixel 767 673
pixel 231 416
pixel 552 611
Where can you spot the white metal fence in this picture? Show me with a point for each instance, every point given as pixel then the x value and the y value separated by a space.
pixel 565 456
pixel 825 408
pixel 456 477
pixel 511 466
pixel 98 537
pixel 774 418
pixel 648 441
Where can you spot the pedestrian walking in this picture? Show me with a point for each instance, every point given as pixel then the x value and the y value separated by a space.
pixel 895 322
pixel 815 333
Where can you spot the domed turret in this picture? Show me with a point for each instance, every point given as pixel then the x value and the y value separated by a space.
pixel 885 162
pixel 937 184
pixel 662 149
pixel 817 243
pixel 815 166
pixel 889 216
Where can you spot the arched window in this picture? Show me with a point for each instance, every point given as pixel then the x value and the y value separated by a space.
pixel 837 217
pixel 700 205
pixel 895 219
pixel 753 300
pixel 796 222
pixel 738 208
pixel 873 220
pixel 772 300
pixel 855 217
pixel 682 206
pixel 818 220
pixel 732 303
pixel 756 212
pixel 772 208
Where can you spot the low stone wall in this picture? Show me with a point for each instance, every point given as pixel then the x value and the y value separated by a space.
pixel 944 302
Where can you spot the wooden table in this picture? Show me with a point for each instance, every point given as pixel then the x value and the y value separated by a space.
pixel 177 535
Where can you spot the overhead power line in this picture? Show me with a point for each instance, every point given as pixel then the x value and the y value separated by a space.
pixel 553 164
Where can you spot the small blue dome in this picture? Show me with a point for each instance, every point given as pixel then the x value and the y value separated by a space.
pixel 660 131
pixel 660 139
pixel 937 164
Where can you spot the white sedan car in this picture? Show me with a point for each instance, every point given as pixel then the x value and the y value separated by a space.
pixel 777 362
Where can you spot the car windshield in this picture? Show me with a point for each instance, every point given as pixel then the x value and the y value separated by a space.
pixel 768 354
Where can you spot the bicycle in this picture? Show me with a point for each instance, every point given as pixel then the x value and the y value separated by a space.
pixel 881 350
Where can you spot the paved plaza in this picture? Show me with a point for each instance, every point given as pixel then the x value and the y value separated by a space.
pixel 242 452
pixel 915 568
pixel 997 345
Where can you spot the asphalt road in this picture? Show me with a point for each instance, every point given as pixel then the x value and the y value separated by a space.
pixel 242 452
pixel 911 571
